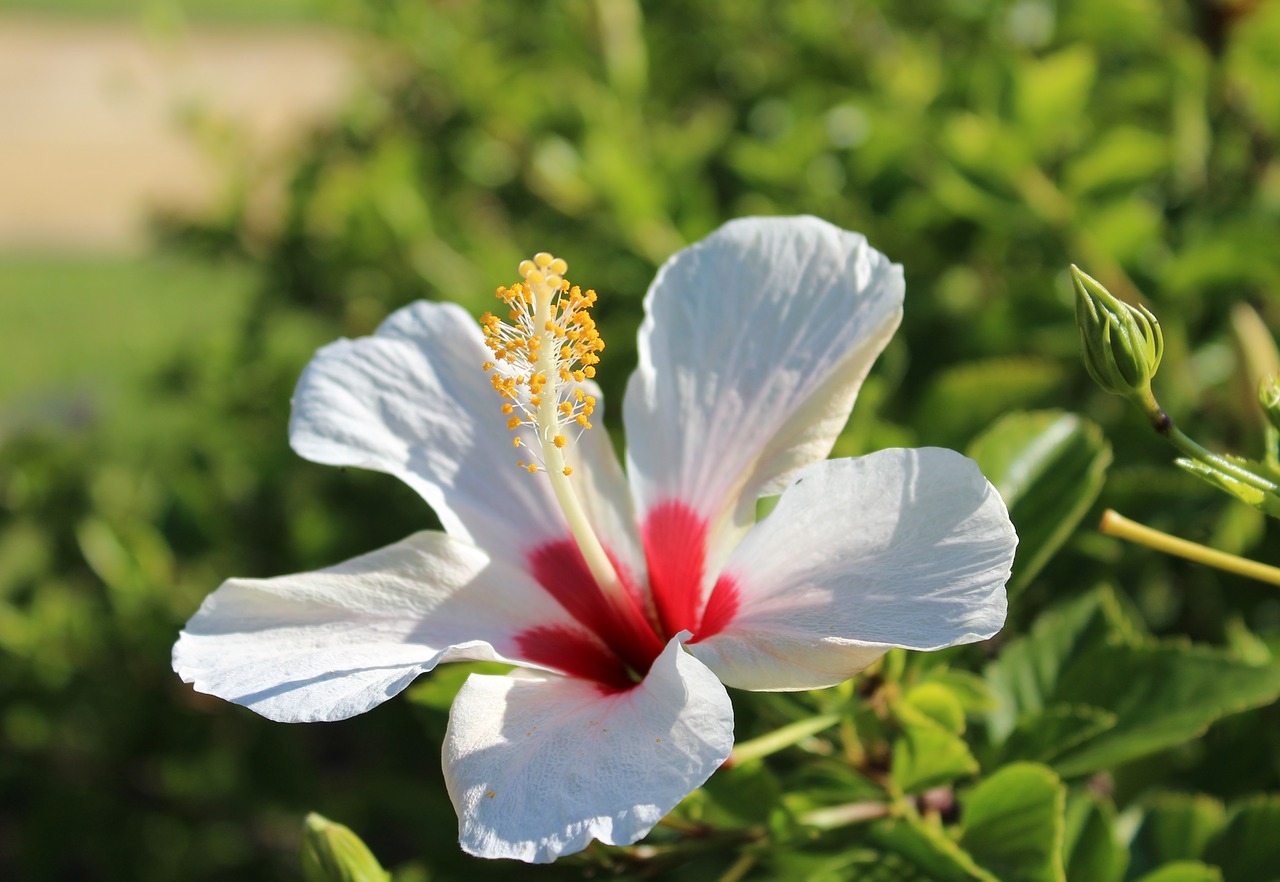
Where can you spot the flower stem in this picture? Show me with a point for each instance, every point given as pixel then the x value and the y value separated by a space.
pixel 1115 524
pixel 740 868
pixel 844 815
pixel 779 739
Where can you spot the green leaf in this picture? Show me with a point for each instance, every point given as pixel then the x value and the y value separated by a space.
pixel 1045 736
pixel 1161 695
pixel 1026 674
pixel 927 849
pixel 927 755
pixel 1248 848
pixel 1177 827
pixel 1245 644
pixel 1228 484
pixel 437 689
pixel 1013 824
pixel 1090 848
pixel 1184 871
pixel 1123 155
pixel 936 702
pixel 745 792
pixel 970 690
pixel 963 399
pixel 1052 93
pixel 1049 467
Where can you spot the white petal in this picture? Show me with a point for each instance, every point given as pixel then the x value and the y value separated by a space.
pixel 901 548
pixel 414 402
pixel 752 350
pixel 538 768
pixel 334 643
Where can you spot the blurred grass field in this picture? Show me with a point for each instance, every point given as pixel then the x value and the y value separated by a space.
pixel 89 312
pixel 220 11
pixel 96 328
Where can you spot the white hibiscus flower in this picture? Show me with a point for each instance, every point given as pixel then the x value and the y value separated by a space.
pixel 625 600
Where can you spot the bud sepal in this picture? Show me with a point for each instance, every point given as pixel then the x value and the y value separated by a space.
pixel 1122 344
pixel 332 852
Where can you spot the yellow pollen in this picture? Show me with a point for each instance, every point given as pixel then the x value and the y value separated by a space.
pixel 541 355
pixel 568 471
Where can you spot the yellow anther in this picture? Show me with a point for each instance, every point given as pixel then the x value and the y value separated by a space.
pixel 540 355
pixel 568 471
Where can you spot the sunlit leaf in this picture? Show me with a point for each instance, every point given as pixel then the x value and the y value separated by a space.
pixel 1013 824
pixel 1161 695
pixel 1049 467
pixel 1091 849
pixel 1248 847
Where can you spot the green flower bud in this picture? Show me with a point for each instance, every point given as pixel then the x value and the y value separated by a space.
pixel 1122 344
pixel 332 853
pixel 1269 398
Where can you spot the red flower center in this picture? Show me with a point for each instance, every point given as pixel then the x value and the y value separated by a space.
pixel 616 645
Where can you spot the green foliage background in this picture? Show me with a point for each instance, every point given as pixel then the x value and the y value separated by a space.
pixel 986 146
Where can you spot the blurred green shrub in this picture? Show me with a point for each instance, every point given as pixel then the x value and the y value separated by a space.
pixel 985 146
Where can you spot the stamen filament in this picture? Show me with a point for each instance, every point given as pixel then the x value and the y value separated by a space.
pixel 550 428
